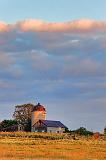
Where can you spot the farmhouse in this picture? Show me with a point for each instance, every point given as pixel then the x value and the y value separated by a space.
pixel 40 124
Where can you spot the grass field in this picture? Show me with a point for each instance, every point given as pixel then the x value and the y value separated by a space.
pixel 41 146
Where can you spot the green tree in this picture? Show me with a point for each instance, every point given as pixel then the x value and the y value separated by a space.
pixel 67 130
pixel 7 123
pixel 22 115
pixel 83 131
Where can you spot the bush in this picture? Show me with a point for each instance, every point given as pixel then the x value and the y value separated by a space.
pixel 83 131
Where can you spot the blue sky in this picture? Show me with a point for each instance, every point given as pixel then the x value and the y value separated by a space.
pixel 52 10
pixel 54 52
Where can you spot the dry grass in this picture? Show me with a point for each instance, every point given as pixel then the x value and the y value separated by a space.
pixel 35 146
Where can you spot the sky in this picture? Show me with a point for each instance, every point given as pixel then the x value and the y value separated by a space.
pixel 54 52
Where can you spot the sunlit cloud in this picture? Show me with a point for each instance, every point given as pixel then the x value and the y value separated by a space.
pixel 76 26
pixel 3 27
pixel 73 26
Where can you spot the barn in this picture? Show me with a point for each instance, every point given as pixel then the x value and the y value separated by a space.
pixel 40 124
pixel 48 126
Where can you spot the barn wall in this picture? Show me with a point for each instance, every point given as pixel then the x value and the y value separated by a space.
pixel 39 129
pixel 55 129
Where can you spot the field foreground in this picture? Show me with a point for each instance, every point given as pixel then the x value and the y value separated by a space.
pixel 43 146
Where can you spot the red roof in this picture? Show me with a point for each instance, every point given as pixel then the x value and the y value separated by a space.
pixel 39 107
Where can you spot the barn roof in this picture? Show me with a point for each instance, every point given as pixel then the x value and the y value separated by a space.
pixel 51 123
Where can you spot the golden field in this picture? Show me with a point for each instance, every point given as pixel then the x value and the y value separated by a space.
pixel 44 146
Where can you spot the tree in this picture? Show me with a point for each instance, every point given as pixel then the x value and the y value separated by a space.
pixel 67 130
pixel 7 123
pixel 82 131
pixel 105 130
pixel 22 115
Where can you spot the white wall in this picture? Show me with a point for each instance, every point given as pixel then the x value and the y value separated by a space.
pixel 55 129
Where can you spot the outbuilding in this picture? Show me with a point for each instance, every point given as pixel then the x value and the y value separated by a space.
pixel 48 126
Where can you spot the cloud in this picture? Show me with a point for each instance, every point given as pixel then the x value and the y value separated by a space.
pixel 5 85
pixel 78 26
pixel 3 27
pixel 74 37
pixel 75 66
pixel 55 48
pixel 41 61
pixel 5 61
pixel 9 66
